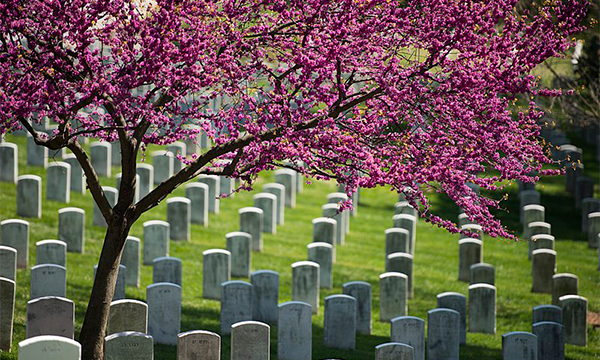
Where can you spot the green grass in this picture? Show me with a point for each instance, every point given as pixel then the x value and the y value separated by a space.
pixel 362 258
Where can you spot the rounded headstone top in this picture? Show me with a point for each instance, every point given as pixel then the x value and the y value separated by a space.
pixel 71 209
pixel 305 263
pixel 49 338
pixel 128 334
pixel 156 222
pixel 133 238
pixel 179 199
pixel 166 258
pixel 570 298
pixel 399 255
pixel 10 145
pixel 397 230
pixel 14 221
pixel 470 241
pixel 518 333
pixel 250 323
pixel 482 286
pixel 144 166
pixel 57 267
pixel 8 248
pixel 274 186
pixel 356 283
pixel 404 216
pixel 29 177
pixel 110 189
pixel 340 297
pixel 206 176
pixel 59 164
pixel 482 265
pixel 284 172
pixel 405 318
pixel 394 345
pixel 265 195
pixel 236 283
pixel 403 203
pixel 51 241
pixel 542 236
pixel 337 195
pixel 46 298
pixel 565 275
pixel 162 284
pixel 543 251
pixel 450 294
pixel 323 219
pixel 100 144
pixel 198 332
pixel 393 274
pixel 471 227
pixel 295 303
pixel 329 206
pixel 236 234
pixel 8 280
pixel 533 207
pixel 128 301
pixel 539 223
pixel 319 244
pixel 161 153
pixel 216 251
pixel 197 185
pixel 265 272
pixel 438 310
pixel 546 323
pixel 250 209
pixel 545 306
pixel 593 215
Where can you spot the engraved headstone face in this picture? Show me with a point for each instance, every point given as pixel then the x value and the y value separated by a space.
pixel 164 312
pixel 131 260
pixel 322 254
pixel 268 204
pixel 564 284
pixel 575 312
pixel 361 291
pixel 394 351
pixel 213 183
pixel 250 341
pixel 156 240
pixel 330 211
pixel 483 273
pixel 410 330
pixel 198 194
pixel 8 263
pixel 9 155
pixel 51 315
pixel 163 165
pixel 482 308
pixel 393 297
pixel 287 178
pixel 179 217
pixel 49 347
pixel 14 233
pixel 7 312
pixel 305 283
pixel 408 222
pixel 51 252
pixel 265 295
pixel 458 303
pixel 167 269
pixel 216 270
pixel 340 322
pixel 58 182
pixel 402 263
pixel 551 340
pixel 146 174
pixel 236 304
pixel 198 345
pixel 470 253
pixel 550 313
pixel 129 345
pixel 279 191
pixel 100 152
pixel 519 345
pixel 251 222
pixel 127 315
pixel 37 155
pixel 77 174
pixel 443 339
pixel 48 280
pixel 543 267
pixel 396 241
pixel 71 228
pixel 29 196
pixel 294 331
pixel 239 244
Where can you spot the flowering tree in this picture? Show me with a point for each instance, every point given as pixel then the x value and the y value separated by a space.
pixel 406 93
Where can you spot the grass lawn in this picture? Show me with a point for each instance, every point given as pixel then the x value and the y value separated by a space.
pixel 361 258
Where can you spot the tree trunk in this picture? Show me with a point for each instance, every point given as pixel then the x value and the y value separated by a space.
pixel 96 316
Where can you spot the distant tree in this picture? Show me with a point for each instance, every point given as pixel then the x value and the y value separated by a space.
pixel 411 94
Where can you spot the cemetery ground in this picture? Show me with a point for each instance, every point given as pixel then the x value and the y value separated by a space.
pixel 361 258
